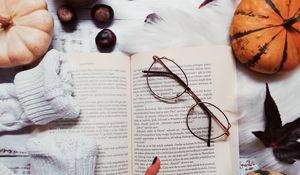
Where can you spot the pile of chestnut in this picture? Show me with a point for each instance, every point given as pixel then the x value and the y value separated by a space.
pixel 102 16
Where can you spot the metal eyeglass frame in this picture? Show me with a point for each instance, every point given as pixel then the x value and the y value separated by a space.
pixel 188 90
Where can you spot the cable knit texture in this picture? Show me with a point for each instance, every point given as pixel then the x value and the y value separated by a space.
pixel 11 112
pixel 4 170
pixel 45 91
pixel 39 95
pixel 62 154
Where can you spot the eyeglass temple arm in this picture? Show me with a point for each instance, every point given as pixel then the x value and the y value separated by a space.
pixel 157 72
pixel 181 82
pixel 156 58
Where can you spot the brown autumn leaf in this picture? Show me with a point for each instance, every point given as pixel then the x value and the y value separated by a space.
pixel 282 139
pixel 204 3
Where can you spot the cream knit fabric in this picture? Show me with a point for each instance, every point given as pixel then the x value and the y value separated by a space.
pixel 11 111
pixel 39 95
pixel 4 170
pixel 62 155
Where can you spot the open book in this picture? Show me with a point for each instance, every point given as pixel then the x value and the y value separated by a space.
pixel 132 126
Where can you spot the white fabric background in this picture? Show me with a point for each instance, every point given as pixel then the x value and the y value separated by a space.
pixel 184 25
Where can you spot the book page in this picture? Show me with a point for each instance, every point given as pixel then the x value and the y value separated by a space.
pixel 160 129
pixel 102 89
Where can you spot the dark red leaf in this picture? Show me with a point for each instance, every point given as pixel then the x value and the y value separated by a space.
pixel 283 139
pixel 261 136
pixel 273 120
pixel 205 2
pixel 288 152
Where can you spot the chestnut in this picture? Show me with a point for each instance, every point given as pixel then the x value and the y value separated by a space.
pixel 102 14
pixel 67 16
pixel 106 40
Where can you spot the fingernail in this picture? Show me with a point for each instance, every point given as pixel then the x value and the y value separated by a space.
pixel 154 160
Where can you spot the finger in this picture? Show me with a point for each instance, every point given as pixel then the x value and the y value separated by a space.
pixel 154 168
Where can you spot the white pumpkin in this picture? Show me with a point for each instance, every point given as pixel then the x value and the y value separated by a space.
pixel 26 29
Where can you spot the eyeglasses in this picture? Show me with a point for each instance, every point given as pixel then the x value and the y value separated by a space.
pixel 167 82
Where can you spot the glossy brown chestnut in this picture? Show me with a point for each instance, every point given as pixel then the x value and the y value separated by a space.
pixel 106 40
pixel 102 14
pixel 67 16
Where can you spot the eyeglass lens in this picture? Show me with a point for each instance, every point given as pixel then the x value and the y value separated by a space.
pixel 198 122
pixel 163 84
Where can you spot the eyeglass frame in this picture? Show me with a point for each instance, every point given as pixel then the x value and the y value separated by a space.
pixel 188 90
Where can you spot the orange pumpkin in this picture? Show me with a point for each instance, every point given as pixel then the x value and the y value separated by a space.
pixel 265 34
pixel 26 29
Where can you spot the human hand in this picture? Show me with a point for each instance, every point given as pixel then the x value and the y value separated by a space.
pixel 154 168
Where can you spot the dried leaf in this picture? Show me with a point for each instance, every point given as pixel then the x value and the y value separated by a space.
pixel 282 139
pixel 271 112
pixel 205 2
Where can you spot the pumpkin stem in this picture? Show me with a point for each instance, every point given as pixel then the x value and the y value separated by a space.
pixel 289 22
pixel 5 22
